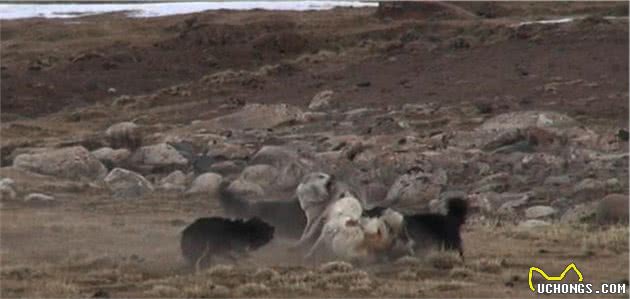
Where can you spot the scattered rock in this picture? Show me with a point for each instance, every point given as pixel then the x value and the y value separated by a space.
pixel 291 167
pixel 229 151
pixel 533 224
pixel 501 203
pixel 582 213
pixel 274 155
pixel 226 168
pixel 111 157
pixel 252 289
pixel 246 189
pixel 127 184
pixel 415 188
pixel 497 182
pixel 503 139
pixel 511 201
pixel 7 189
pixel 159 155
pixel 612 209
pixel 175 181
pixel 322 100
pixel 71 163
pixel 539 212
pixel 124 135
pixel 207 183
pixel 38 197
pixel 589 184
pixel 558 180
pixel 259 116
pixel 261 174
pixel 526 119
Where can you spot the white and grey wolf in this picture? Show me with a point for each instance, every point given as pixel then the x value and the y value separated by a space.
pixel 348 235
pixel 215 236
pixel 293 218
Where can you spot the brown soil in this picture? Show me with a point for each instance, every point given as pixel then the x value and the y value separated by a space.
pixel 55 80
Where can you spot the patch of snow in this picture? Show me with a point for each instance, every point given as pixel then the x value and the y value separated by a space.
pixel 563 20
pixel 145 10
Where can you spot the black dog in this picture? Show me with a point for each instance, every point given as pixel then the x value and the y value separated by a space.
pixel 443 229
pixel 285 215
pixel 215 236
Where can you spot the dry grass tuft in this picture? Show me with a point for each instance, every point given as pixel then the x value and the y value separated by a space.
pixel 399 291
pixel 614 238
pixel 461 272
pixel 221 271
pixel 57 289
pixel 407 275
pixel 495 265
pixel 21 273
pixel 442 259
pixel 161 290
pixel 449 285
pixel 266 274
pixel 336 266
pixel 346 278
pixel 252 289
pixel 410 261
pixel 205 289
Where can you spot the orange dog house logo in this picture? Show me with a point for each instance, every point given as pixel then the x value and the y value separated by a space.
pixel 553 278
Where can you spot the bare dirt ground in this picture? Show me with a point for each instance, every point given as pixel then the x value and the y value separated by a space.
pixel 65 81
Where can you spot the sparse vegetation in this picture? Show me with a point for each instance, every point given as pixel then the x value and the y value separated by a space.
pixel 409 92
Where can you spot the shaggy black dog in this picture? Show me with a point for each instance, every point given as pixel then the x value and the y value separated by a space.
pixel 215 236
pixel 442 229
pixel 432 228
pixel 285 215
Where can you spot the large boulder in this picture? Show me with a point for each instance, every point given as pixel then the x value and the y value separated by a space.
pixel 291 167
pixel 539 212
pixel 7 189
pixel 246 189
pixel 127 184
pixel 124 135
pixel 414 189
pixel 515 131
pixel 175 181
pixel 261 174
pixel 159 155
pixel 75 163
pixel 207 183
pixel 501 203
pixel 111 157
pixel 274 155
pixel 38 197
pixel 231 151
pixel 612 209
pixel 259 116
pixel 322 100
pixel 526 119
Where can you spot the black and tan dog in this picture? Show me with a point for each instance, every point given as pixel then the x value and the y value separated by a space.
pixel 433 229
pixel 439 229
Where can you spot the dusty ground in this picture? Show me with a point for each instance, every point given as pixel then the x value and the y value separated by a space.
pixel 56 81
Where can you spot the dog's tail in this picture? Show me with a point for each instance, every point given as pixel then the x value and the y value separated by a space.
pixel 231 203
pixel 457 208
